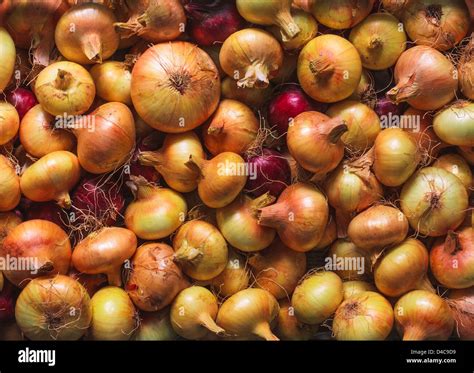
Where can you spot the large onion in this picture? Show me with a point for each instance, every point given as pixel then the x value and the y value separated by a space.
pixel 455 125
pixel 348 261
pixel 234 278
pixel 341 14
pixel 458 166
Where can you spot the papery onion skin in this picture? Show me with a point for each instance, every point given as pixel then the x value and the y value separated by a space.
pixel 289 328
pixel 434 201
pixel 329 236
pixel 119 73
pixel 352 288
pixel 366 316
pixel 53 308
pixel 466 70
pixel 341 14
pixel 9 122
pixel 191 85
pixel 455 125
pixel 355 264
pixel 422 315
pixel 10 192
pixel 8 55
pixel 8 221
pixel 155 326
pixel 308 30
pixel 462 304
pixel 458 166
pixel 234 278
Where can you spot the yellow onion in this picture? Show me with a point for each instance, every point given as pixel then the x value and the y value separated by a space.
pixel 7 58
pixel 39 135
pixel 252 57
pixel 434 201
pixel 308 29
pixel 467 153
pixel 113 80
pixel 367 316
pixel 348 261
pixel 238 223
pixel 156 212
pixel 233 128
pixel 9 122
pixel 365 91
pixel 254 97
pixel 65 88
pixel 317 297
pixel 341 14
pixel 461 302
pixel 466 70
pixel 289 328
pixel 352 288
pixel 53 308
pixel 85 34
pixel 114 317
pixel 380 39
pixel 422 315
pixel 458 166
pixel 278 269
pixel 287 70
pixel 8 221
pixel 175 87
pixel 10 192
pixel 200 249
pixel 455 125
pixel 249 313
pixel 233 278
pixel 193 313
pixel 155 326
pixel 329 236
pixel 395 7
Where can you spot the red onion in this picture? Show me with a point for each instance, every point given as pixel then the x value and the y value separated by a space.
pixel 272 173
pixel 45 211
pixel 7 302
pixel 23 100
pixel 385 107
pixel 213 20
pixel 136 168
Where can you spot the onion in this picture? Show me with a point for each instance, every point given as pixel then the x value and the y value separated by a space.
pixel 341 14
pixel 8 56
pixel 347 261
pixel 466 70
pixel 113 80
pixel 317 297
pixel 458 166
pixel 11 332
pixel 422 315
pixel 193 313
pixel 329 236
pixel 155 279
pixel 8 295
pixel 65 88
pixel 289 328
pixel 53 308
pixel 23 70
pixel 425 78
pixel 352 288
pixel 365 91
pixel 378 227
pixel 287 73
pixel 252 57
pixel 233 278
pixel 455 125
pixel 402 268
pixel 452 259
pixel 467 153
pixel 155 21
pixel 329 68
pixel 395 7
pixel 387 110
pixel 85 34
pixel 39 135
pixel 175 75
pixel 462 302
pixel 8 221
pixel 380 39
pixel 308 29
pixel 22 99
pixel 439 24
pixel 156 212
pixel 233 128
pixel 396 156
pixel 10 193
pixel 254 97
pixel 300 216
pixel 51 178
pixel 9 122
pixel 434 201
pixel 113 315
pixel 272 173
pixel 45 211
pixel 365 316
pixel 200 249
pixel 155 326
pixel 238 223
pixel 221 179
pixel 92 283
pixel 249 313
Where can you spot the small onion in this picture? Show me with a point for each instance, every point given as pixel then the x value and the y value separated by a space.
pixel 341 14
pixel 234 278
pixel 155 326
pixel 9 122
pixel 113 80
pixel 23 100
pixel 289 328
pixel 347 261
pixel 455 125
pixel 10 192
pixel 458 166
pixel 352 288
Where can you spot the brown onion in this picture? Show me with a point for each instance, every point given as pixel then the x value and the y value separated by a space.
pixel 458 166
pixel 9 122
pixel 466 70
pixel 254 97
pixel 10 192
pixel 455 124
pixel 352 288
pixel 348 261
pixel 233 278
pixel 7 61
pixel 462 304
pixel 341 14
pixel 308 29
pixel 113 80
pixel 289 328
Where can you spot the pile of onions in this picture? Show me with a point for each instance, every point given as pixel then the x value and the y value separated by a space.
pixel 175 75
pixel 300 216
pixel 155 326
pixel 396 156
pixel 254 97
pixel 434 201
pixel 65 88
pixel 317 297
pixel 458 166
pixel 352 288
pixel 221 178
pixel 462 305
pixel 23 100
pixel 455 125
pixel 113 80
pixel 425 78
pixel 156 212
pixel 53 308
pixel 155 21
pixel 341 14
pixel 9 122
pixel 85 34
pixel 200 250
pixel 362 122
pixel 362 317
pixel 233 128
pixel 8 56
pixel 155 279
pixel 452 259
pixel 234 278
pixel 439 24
pixel 289 328
pixel 39 136
pixel 314 140
pixel 10 192
pixel 248 313
pixel 308 29
pixel 347 261
pixel 402 268
pixel 114 317
pixel 380 40
pixel 105 251
pixel 239 224
pixel 278 269
pixel 422 315
pixel 329 68
pixel 193 313
pixel 251 56
pixel 466 70
pixel 51 178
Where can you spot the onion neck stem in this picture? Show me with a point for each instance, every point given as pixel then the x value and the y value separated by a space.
pixel 321 68
pixel 44 266
pixel 92 47
pixel 64 200
pixel 188 254
pixel 337 128
pixel 63 80
pixel 196 164
pixel 152 159
pixel 256 75
pixel 261 202
pixel 144 189
pixel 403 91
pixel 206 321
pixel 263 330
pixel 114 277
pixel 375 42
pixel 413 333
pixel 288 27
pixel 215 128
pixel 273 216
pixel 451 243
pixel 425 284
